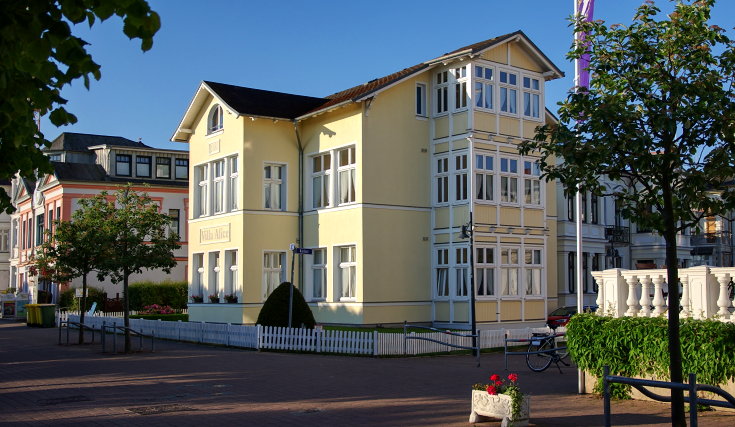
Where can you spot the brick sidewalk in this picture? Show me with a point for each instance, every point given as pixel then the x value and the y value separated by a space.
pixel 182 384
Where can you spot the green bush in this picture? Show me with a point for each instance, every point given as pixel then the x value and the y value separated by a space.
pixel 638 347
pixel 68 300
pixel 164 317
pixel 170 293
pixel 275 309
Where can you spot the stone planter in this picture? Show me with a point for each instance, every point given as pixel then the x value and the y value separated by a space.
pixel 486 407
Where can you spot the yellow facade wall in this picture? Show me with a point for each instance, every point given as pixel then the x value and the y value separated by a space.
pixel 397 314
pixel 534 310
pixel 441 127
pixel 510 311
pixel 486 311
pixel 485 122
pixel 508 126
pixel 460 124
pixel 533 217
pixel 510 216
pixel 441 311
pixel 485 214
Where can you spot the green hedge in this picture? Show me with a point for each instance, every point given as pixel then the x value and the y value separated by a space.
pixel 68 300
pixel 174 294
pixel 164 317
pixel 275 309
pixel 638 347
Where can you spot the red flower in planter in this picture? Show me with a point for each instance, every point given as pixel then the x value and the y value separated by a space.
pixel 513 377
pixel 492 390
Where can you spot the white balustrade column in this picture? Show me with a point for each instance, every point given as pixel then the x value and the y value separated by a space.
pixel 686 301
pixel 659 304
pixel 598 277
pixel 615 294
pixel 703 291
pixel 723 301
pixel 632 301
pixel 645 297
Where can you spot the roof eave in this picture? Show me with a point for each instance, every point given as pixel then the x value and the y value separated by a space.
pixel 179 134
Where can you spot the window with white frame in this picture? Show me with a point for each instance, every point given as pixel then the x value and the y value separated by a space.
pixel 461 272
pixel 531 183
pixel 215 119
pixel 4 240
pixel 14 235
pixel 273 179
pixel 442 180
pixel 274 271
pixel 218 182
pixel 509 269
pixel 175 215
pixel 163 167
pixel 531 97
pixel 442 92
pixel 421 99
pixel 201 194
pixel 182 169
pixel 484 177
pixel 214 269
pixel 347 274
pixel 484 87
pixel 198 273
pixel 442 272
pixel 485 271
pixel 460 177
pixel 532 261
pixel 321 173
pixel 143 166
pixel 460 88
pixel 508 92
pixel 508 180
pixel 319 274
pixel 123 164
pixel 233 190
pixel 231 272
pixel 346 175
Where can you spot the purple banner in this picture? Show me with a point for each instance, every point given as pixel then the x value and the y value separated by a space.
pixel 586 9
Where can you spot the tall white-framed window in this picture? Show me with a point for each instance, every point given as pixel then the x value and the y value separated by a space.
pixel 347 272
pixel 175 215
pixel 123 164
pixel 202 189
pixel 461 271
pixel 233 189
pixel 163 167
pixel 214 270
pixel 319 274
pixel 143 166
pixel 442 180
pixel 421 99
pixel 484 177
pixel 274 271
pixel 509 271
pixel 231 285
pixel 442 272
pixel 198 275
pixel 321 174
pixel 531 97
pixel 485 271
pixel 532 266
pixel 14 235
pixel 460 177
pixel 182 168
pixel 273 181
pixel 442 92
pixel 5 240
pixel 215 119
pixel 484 87
pixel 508 83
pixel 508 180
pixel 460 87
pixel 346 175
pixel 218 182
pixel 531 183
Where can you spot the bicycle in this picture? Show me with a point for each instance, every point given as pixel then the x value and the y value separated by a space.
pixel 543 351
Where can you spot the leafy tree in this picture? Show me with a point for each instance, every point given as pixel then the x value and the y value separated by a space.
pixel 72 250
pixel 39 56
pixel 275 309
pixel 659 117
pixel 136 237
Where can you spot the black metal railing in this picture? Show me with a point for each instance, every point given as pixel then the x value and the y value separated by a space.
pixel 617 234
pixel 716 238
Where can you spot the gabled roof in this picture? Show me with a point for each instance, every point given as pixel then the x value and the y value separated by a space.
pixel 78 171
pixel 263 103
pixel 71 141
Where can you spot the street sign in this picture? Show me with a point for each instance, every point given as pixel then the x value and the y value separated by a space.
pixel 303 251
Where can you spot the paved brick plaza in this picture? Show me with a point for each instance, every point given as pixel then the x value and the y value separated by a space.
pixel 180 384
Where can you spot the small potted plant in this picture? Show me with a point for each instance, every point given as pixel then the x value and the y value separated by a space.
pixel 231 298
pixel 197 299
pixel 214 298
pixel 500 399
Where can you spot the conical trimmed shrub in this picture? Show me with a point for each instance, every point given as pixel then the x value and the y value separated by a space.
pixel 275 309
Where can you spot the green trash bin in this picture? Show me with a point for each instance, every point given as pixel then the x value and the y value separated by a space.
pixel 47 315
pixel 33 317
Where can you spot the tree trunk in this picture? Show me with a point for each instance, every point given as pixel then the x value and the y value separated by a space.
pixel 83 308
pixel 126 311
pixel 678 418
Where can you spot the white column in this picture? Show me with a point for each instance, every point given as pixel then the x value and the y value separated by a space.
pixel 723 302
pixel 686 301
pixel 598 277
pixel 632 301
pixel 659 304
pixel 645 297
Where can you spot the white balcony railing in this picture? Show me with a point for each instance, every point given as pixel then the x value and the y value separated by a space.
pixel 704 292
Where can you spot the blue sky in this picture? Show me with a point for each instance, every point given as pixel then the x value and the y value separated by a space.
pixel 313 48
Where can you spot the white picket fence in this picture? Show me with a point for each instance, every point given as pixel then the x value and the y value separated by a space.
pixel 308 340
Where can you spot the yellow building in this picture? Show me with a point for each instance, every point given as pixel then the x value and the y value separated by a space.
pixel 378 181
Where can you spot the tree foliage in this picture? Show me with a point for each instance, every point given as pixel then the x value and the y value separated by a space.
pixel 659 120
pixel 39 56
pixel 275 309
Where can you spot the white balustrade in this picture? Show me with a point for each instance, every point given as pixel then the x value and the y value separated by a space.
pixel 659 304
pixel 645 297
pixel 632 301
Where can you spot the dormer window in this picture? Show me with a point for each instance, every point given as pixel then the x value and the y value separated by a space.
pixel 214 123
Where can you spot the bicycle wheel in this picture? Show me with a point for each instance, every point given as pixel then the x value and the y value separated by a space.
pixel 538 362
pixel 563 354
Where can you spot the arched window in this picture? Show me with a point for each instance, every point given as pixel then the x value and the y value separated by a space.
pixel 214 123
